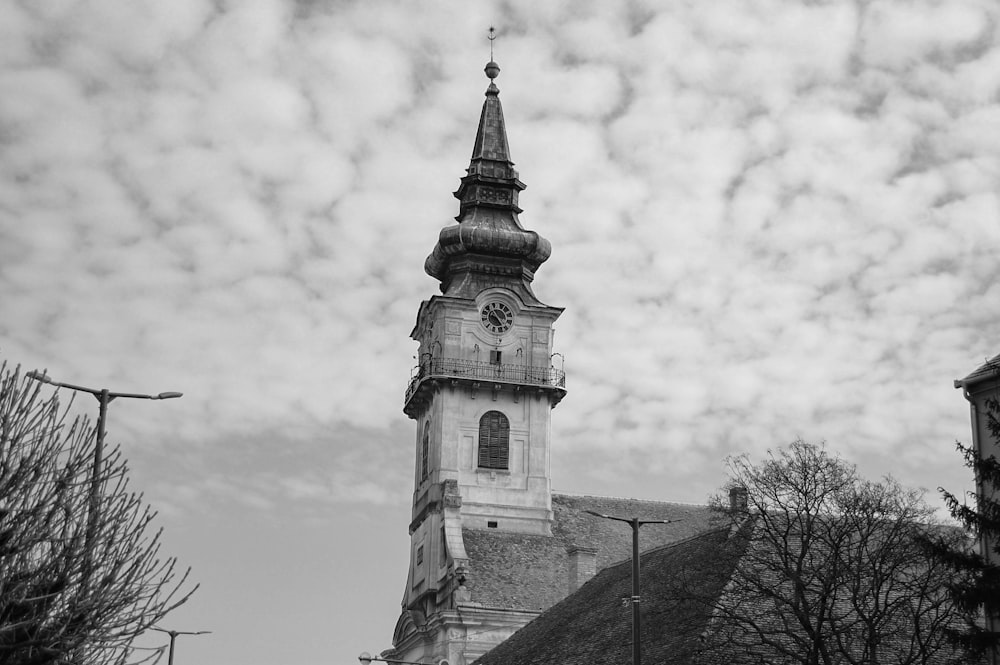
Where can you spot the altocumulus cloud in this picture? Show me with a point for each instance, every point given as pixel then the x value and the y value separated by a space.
pixel 770 220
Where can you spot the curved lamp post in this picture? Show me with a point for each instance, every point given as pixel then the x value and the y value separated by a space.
pixel 635 523
pixel 104 397
pixel 366 659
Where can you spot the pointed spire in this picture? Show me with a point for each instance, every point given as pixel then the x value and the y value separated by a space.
pixel 489 242
pixel 491 139
pixel 490 161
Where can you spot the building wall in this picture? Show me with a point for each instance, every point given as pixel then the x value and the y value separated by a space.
pixel 517 498
pixel 440 619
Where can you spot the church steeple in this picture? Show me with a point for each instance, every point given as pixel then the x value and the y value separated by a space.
pixel 489 239
pixel 482 397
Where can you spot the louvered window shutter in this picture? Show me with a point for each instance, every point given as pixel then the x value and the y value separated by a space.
pixel 494 439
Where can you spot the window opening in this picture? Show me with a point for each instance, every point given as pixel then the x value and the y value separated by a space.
pixel 494 438
pixel 425 450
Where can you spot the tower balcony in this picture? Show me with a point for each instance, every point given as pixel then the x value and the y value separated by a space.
pixel 512 376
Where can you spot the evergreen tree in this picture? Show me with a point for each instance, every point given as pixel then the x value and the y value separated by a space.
pixel 976 589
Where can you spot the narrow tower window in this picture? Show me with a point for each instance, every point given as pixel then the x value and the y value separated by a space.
pixel 425 450
pixel 494 437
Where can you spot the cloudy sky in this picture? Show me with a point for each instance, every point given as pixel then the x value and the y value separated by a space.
pixel 770 220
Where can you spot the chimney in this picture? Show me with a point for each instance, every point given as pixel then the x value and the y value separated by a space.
pixel 582 566
pixel 738 499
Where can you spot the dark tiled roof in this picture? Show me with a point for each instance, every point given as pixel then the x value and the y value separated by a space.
pixel 593 625
pixel 990 368
pixel 682 587
pixel 613 540
pixel 758 608
pixel 516 571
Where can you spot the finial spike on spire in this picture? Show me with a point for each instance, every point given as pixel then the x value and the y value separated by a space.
pixel 492 69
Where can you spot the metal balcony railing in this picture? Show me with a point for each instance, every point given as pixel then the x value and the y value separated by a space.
pixel 456 368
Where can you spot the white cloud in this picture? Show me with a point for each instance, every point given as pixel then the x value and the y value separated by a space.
pixel 899 35
pixel 769 220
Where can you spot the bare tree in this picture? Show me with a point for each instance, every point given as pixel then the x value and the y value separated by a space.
pixel 66 596
pixel 831 573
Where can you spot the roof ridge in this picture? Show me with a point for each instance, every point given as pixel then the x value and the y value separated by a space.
pixel 706 532
pixel 658 548
pixel 991 367
pixel 627 498
pixel 492 531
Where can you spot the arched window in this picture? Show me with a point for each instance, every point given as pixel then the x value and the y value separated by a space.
pixel 494 438
pixel 425 447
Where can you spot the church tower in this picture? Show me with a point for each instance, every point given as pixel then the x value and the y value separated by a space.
pixel 481 397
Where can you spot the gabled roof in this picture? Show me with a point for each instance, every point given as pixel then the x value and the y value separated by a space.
pixel 594 624
pixel 991 368
pixel 515 571
pixel 685 587
pixel 524 572
pixel 613 540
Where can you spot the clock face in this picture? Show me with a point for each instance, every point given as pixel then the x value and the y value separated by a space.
pixel 497 317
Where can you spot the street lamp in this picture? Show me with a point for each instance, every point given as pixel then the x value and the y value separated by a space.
pixel 366 659
pixel 635 523
pixel 104 397
pixel 173 635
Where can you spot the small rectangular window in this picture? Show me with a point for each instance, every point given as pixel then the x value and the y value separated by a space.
pixel 495 356
pixel 420 555
pixel 491 524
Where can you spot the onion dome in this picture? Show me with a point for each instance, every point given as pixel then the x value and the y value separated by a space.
pixel 489 242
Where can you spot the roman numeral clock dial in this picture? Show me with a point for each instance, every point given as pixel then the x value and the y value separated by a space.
pixel 497 317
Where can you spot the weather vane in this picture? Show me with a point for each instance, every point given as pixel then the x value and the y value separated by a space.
pixel 493 35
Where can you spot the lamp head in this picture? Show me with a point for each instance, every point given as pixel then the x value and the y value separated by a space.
pixel 365 658
pixel 169 395
pixel 39 376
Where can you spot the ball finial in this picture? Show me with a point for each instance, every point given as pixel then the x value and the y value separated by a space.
pixel 492 69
